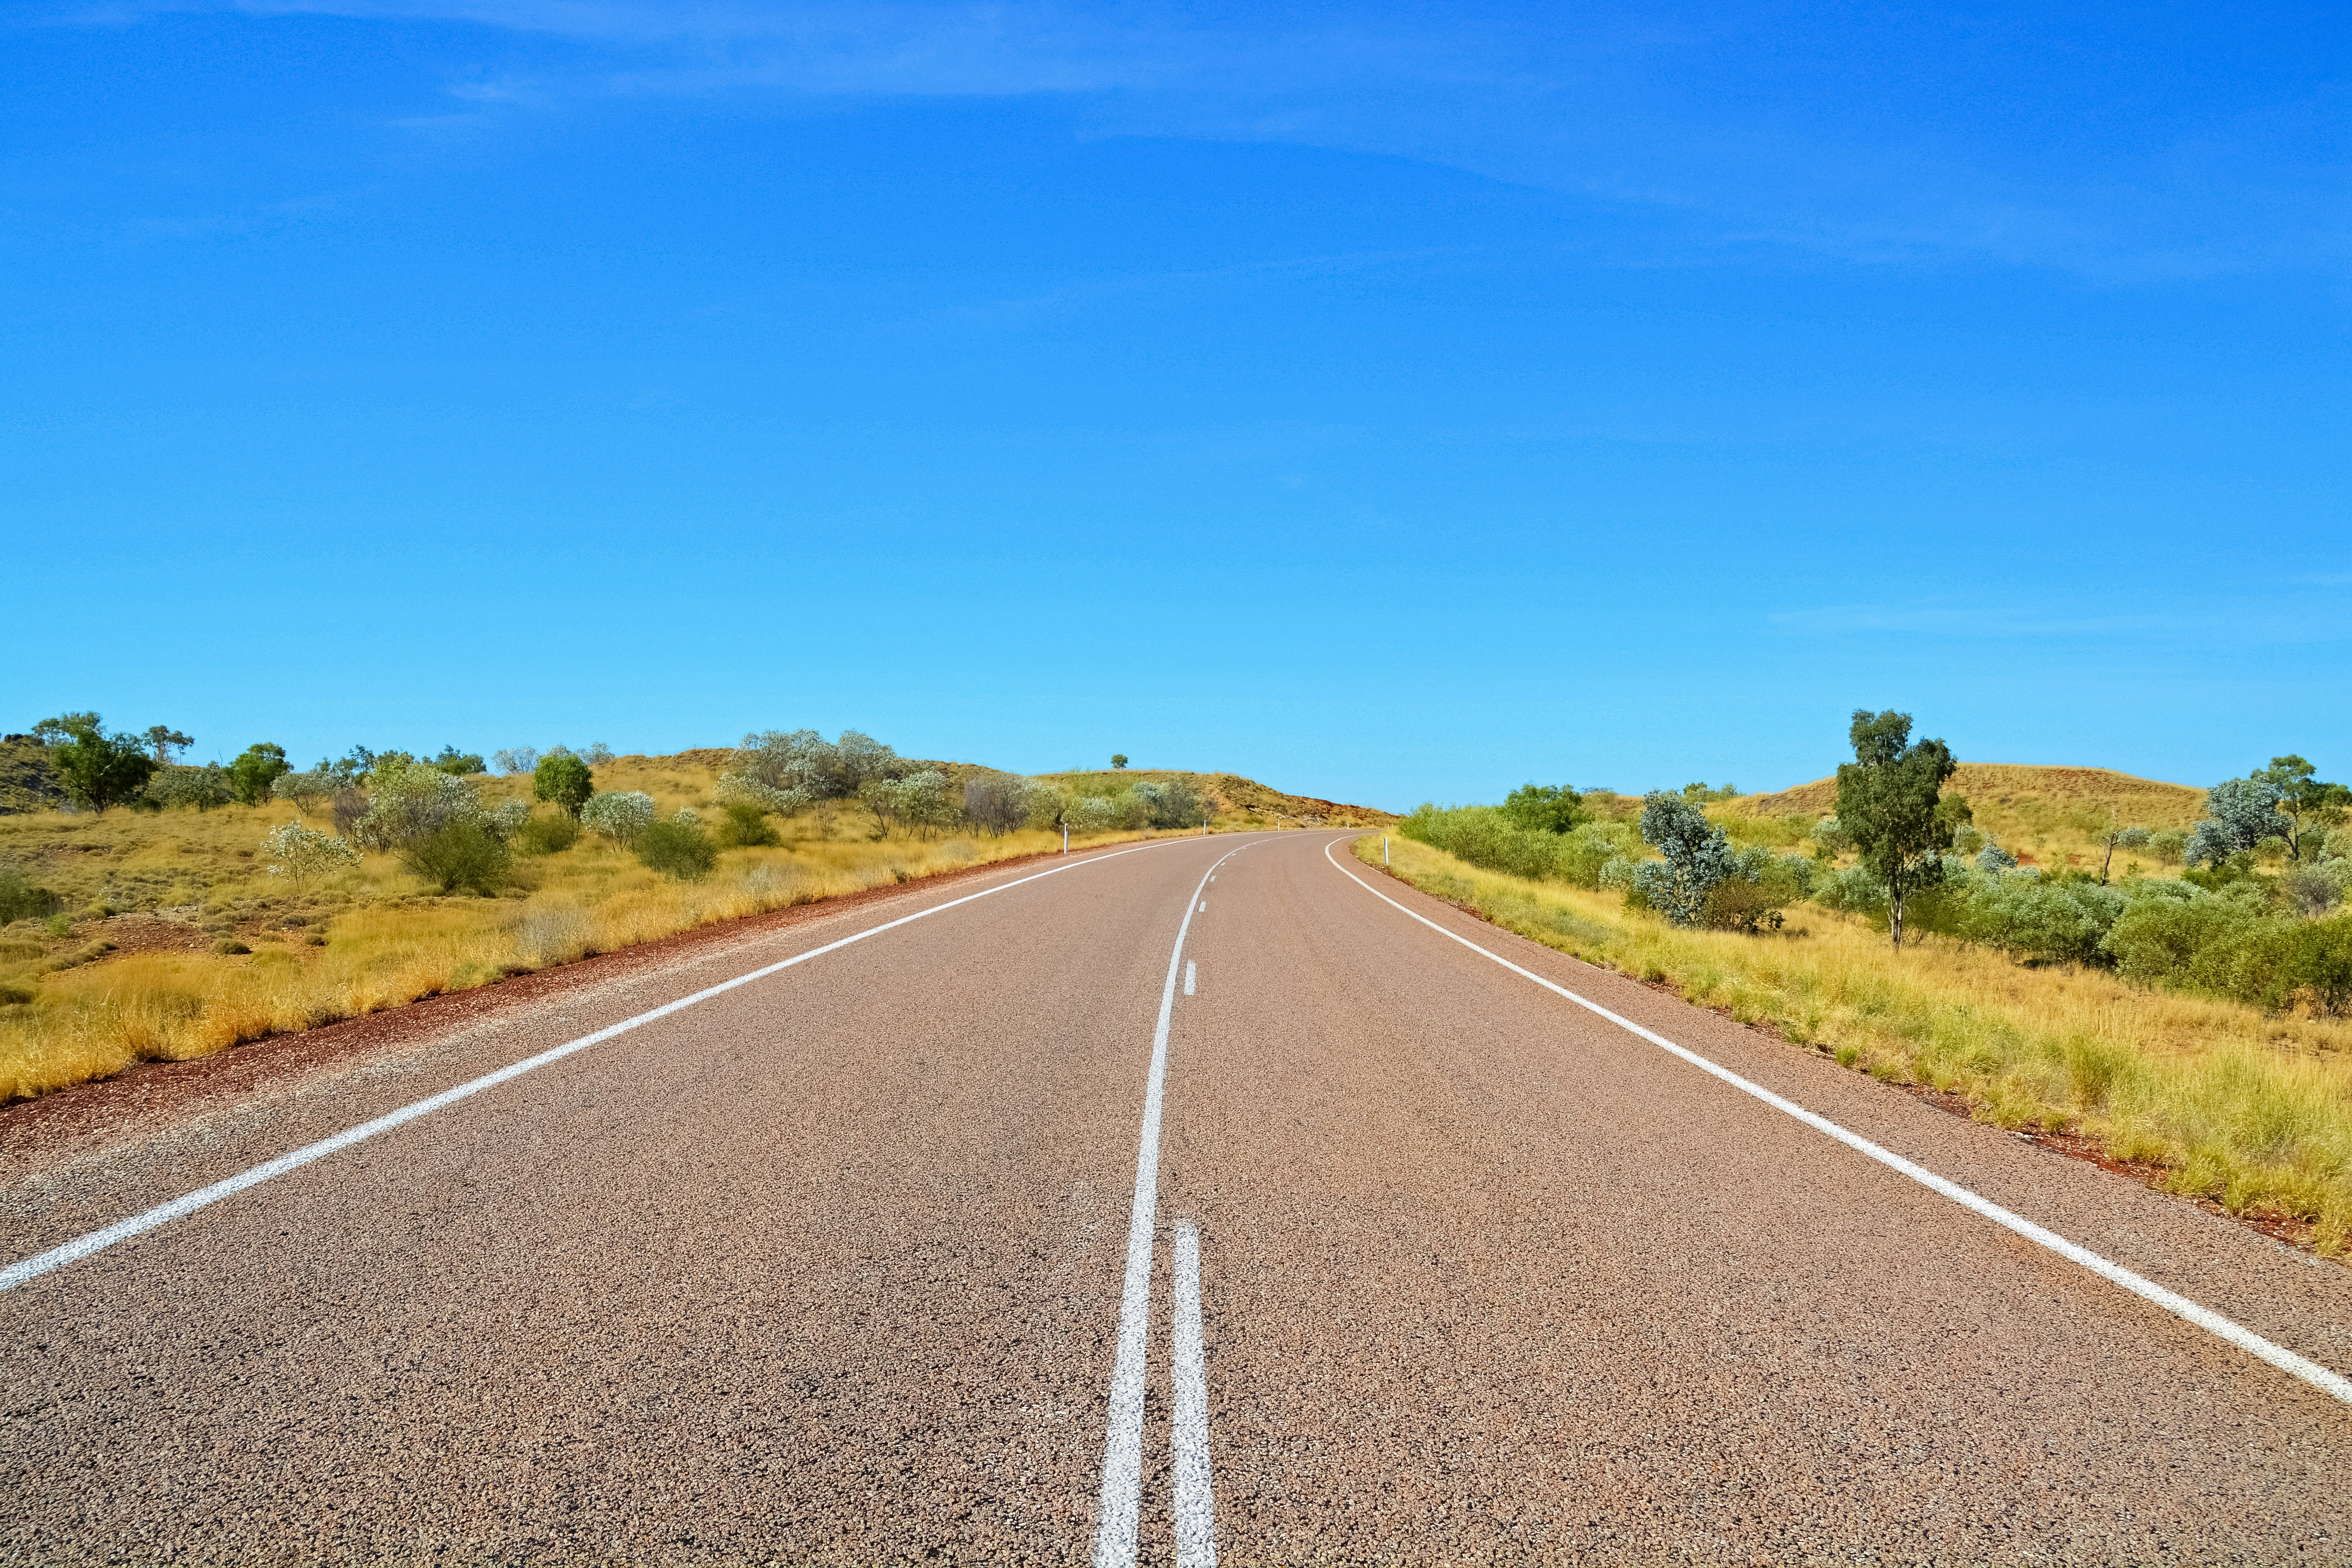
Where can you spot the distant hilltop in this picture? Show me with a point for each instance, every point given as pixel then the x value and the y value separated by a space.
pixel 1230 794
pixel 2025 789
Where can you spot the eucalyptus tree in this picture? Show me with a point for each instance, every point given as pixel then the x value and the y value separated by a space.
pixel 1888 804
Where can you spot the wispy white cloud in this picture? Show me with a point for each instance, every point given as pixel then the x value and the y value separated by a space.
pixel 1597 108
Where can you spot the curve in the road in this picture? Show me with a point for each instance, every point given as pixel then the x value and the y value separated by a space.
pixel 1119 1515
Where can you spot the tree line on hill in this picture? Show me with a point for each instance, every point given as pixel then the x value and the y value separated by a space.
pixel 2255 916
pixel 426 811
pixel 73 762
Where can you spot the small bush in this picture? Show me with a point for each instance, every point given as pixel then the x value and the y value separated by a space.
pixel 1487 837
pixel 307 791
pixel 678 849
pixel 995 803
pixel 564 780
pixel 229 944
pixel 350 809
pixel 462 857
pixel 411 802
pixel 199 789
pixel 1545 809
pixel 256 769
pixel 2314 890
pixel 1854 891
pixel 620 816
pixel 14 993
pixel 747 827
pixel 1177 805
pixel 1736 904
pixel 2322 964
pixel 2042 918
pixel 1698 856
pixel 302 855
pixel 547 835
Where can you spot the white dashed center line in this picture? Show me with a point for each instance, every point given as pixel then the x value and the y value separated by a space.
pixel 1196 1522
pixel 1117 1515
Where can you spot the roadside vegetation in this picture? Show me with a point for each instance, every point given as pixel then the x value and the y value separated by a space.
pixel 154 910
pixel 2180 995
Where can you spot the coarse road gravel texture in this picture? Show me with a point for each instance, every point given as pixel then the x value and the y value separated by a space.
pixel 828 1268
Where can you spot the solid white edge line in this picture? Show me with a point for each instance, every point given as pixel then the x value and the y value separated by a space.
pixel 2322 1378
pixel 33 1267
pixel 1196 1509
pixel 1121 1506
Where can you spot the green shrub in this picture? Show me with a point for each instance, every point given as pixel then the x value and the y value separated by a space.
pixel 2253 962
pixel 2045 918
pixel 1175 804
pixel 1583 851
pixel 98 770
pixel 458 763
pixel 1545 809
pixel 679 850
pixel 2154 941
pixel 747 827
pixel 1485 837
pixel 2229 945
pixel 15 993
pixel 1738 904
pixel 462 855
pixel 200 789
pixel 547 835
pixel 2322 962
pixel 1854 891
pixel 230 945
pixel 257 768
pixel 564 780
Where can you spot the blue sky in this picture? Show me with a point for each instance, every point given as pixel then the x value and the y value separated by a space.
pixel 1388 402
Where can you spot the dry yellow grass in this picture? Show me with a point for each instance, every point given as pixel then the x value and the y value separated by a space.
pixel 164 886
pixel 2253 1112
pixel 2047 815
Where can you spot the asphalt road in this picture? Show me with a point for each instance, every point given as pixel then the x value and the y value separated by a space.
pixel 1433 1266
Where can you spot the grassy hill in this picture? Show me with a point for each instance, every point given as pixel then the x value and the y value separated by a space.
pixel 2046 814
pixel 162 935
pixel 1235 800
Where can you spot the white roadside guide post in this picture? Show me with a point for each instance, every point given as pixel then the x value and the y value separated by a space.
pixel 1065 835
pixel 1385 850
